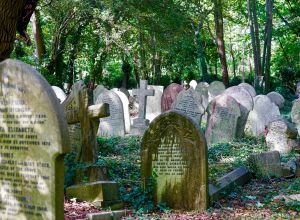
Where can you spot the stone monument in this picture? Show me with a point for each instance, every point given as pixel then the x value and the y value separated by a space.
pixel 215 88
pixel 153 108
pixel 34 136
pixel 60 94
pixel 169 95
pixel 175 149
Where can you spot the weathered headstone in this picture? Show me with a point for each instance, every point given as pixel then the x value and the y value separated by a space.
pixel 114 124
pixel 215 89
pixel 295 114
pixel 298 90
pixel 33 136
pixel 169 96
pixel 276 98
pixel 153 108
pixel 175 148
pixel 125 91
pixel 189 102
pixel 60 94
pixel 282 136
pixel 245 101
pixel 97 91
pixel 202 89
pixel 193 84
pixel 223 115
pixel 140 124
pixel 249 88
pixel 263 113
pixel 125 103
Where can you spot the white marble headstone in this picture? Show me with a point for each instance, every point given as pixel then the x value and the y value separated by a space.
pixel 153 107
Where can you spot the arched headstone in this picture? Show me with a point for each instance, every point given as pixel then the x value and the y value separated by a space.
pixel 125 103
pixel 153 108
pixel 276 98
pixel 169 95
pixel 249 88
pixel 60 94
pixel 215 88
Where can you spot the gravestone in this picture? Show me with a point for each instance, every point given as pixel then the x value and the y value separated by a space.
pixel 140 124
pixel 114 124
pixel 215 89
pixel 169 95
pixel 153 108
pixel 175 148
pixel 223 115
pixel 245 101
pixel 34 136
pixel 193 84
pixel 125 103
pixel 60 94
pixel 189 103
pixel 202 89
pixel 276 98
pixel 298 90
pixel 263 113
pixel 282 136
pixel 295 114
pixel 125 91
pixel 249 88
pixel 97 91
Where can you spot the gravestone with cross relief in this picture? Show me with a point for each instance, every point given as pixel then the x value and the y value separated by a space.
pixel 140 123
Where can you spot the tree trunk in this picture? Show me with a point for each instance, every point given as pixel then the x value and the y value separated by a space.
pixel 38 36
pixel 202 61
pixel 143 65
pixel 220 40
pixel 10 11
pixel 126 69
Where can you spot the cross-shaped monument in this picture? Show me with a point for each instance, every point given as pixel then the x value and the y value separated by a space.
pixel 141 123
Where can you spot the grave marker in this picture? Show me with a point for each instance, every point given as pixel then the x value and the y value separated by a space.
pixel 169 95
pixel 175 148
pixel 153 108
pixel 34 136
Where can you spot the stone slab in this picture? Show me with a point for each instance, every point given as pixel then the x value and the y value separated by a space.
pixel 114 215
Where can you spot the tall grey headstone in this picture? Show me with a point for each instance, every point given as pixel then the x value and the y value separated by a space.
pixel 125 103
pixel 189 102
pixel 249 88
pixel 215 89
pixel 276 98
pixel 97 91
pixel 223 115
pixel 245 101
pixel 153 108
pixel 140 123
pixel 34 136
pixel 263 113
pixel 113 125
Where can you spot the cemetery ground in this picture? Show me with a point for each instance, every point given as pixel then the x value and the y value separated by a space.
pixel 255 200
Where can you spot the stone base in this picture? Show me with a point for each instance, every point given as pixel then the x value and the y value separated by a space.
pixel 91 174
pixel 101 193
pixel 138 130
pixel 115 215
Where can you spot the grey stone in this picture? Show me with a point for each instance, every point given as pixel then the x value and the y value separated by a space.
pixel 249 88
pixel 153 108
pixel 223 115
pixel 60 94
pixel 34 136
pixel 97 91
pixel 113 215
pixel 276 98
pixel 202 89
pixel 295 114
pixel 215 89
pixel 125 103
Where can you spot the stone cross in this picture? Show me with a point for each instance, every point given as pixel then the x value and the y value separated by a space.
pixel 142 94
pixel 78 109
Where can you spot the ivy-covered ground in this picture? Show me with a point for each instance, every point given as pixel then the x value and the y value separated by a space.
pixel 252 201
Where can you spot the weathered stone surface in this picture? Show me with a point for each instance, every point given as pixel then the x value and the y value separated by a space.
pixel 263 113
pixel 60 94
pixel 100 192
pixel 245 101
pixel 202 89
pixel 287 198
pixel 298 90
pixel 153 108
pixel 281 136
pixel 125 91
pixel 34 136
pixel 112 215
pixel 169 95
pixel 223 115
pixel 125 103
pixel 189 102
pixel 215 89
pixel 174 147
pixel 97 91
pixel 295 114
pixel 237 177
pixel 266 164
pixel 249 88
pixel 193 84
pixel 114 124
pixel 276 98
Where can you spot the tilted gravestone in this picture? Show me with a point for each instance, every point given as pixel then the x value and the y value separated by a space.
pixel 276 98
pixel 140 124
pixel 295 114
pixel 223 115
pixel 169 95
pixel 249 88
pixel 263 113
pixel 125 103
pixel 153 108
pixel 245 101
pixel 189 102
pixel 215 89
pixel 114 124
pixel 175 149
pixel 60 94
pixel 193 84
pixel 33 138
pixel 97 91
pixel 282 136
